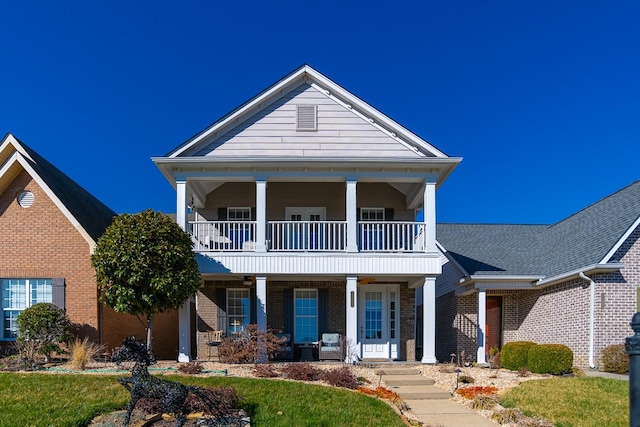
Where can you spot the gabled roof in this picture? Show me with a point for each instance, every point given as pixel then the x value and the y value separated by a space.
pixel 584 240
pixel 307 75
pixel 88 214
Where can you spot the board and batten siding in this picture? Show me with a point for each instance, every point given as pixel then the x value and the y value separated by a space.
pixel 272 132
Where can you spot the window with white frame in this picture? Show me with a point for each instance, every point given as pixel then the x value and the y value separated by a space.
pixel 240 229
pixel 238 309
pixel 239 214
pixel 305 303
pixel 372 214
pixel 18 294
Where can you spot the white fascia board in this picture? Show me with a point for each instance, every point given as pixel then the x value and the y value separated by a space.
pixel 56 201
pixel 11 140
pixel 620 241
pixel 590 269
pixel 510 278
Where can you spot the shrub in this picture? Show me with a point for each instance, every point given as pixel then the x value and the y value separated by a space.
pixel 507 416
pixel 494 357
pixel 191 368
pixel 83 352
pixel 381 392
pixel 46 326
pixel 523 372
pixel 466 379
pixel 340 377
pixel 473 391
pixel 555 359
pixel 484 401
pixel 265 370
pixel 301 371
pixel 250 346
pixel 614 359
pixel 514 355
pixel 534 422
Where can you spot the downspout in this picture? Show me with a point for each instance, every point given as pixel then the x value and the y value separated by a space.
pixel 592 304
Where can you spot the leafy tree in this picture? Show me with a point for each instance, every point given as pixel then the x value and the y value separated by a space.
pixel 145 265
pixel 43 327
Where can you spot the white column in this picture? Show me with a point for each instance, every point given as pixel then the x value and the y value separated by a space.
pixel 352 319
pixel 181 203
pixel 482 326
pixel 429 320
pixel 261 301
pixel 352 217
pixel 429 206
pixel 261 216
pixel 184 312
pixel 184 332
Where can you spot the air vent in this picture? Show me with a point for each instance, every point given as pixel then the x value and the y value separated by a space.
pixel 307 117
pixel 25 199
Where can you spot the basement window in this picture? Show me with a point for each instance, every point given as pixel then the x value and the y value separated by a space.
pixel 306 118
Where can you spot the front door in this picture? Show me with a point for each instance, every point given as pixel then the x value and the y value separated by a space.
pixel 378 321
pixel 493 327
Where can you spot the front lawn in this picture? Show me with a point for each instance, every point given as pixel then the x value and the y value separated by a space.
pixel 73 400
pixel 573 402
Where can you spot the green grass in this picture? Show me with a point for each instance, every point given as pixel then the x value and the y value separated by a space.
pixel 73 400
pixel 573 402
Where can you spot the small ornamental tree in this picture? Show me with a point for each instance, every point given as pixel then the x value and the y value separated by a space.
pixel 44 326
pixel 145 265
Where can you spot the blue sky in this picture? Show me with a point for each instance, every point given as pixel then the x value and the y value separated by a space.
pixel 541 99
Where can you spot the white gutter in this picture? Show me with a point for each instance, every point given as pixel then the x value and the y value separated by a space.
pixel 592 303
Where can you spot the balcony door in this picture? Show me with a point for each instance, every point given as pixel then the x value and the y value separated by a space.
pixel 305 230
pixel 378 321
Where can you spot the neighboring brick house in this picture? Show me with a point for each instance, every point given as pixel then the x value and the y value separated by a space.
pixel 49 226
pixel 574 282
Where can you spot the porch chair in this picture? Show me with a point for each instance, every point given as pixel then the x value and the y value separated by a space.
pixel 214 339
pixel 330 347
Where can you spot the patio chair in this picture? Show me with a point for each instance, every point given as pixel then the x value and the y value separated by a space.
pixel 330 347
pixel 214 339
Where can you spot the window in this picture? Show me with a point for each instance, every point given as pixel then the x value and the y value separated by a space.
pixel 18 294
pixel 238 309
pixel 372 214
pixel 306 117
pixel 240 231
pixel 306 315
pixel 239 214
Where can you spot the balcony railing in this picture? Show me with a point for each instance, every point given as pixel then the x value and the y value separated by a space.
pixel 308 236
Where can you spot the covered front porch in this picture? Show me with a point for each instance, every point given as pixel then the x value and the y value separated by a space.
pixel 375 316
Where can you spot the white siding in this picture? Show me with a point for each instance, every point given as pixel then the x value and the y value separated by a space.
pixel 272 132
pixel 449 278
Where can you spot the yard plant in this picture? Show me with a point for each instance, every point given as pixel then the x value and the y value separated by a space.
pixel 514 355
pixel 615 359
pixel 73 400
pixel 554 359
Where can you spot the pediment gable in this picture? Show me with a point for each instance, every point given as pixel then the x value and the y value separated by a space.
pixel 347 127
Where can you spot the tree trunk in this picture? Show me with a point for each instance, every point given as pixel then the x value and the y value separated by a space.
pixel 149 338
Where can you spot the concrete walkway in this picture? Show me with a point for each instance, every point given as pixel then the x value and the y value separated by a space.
pixel 431 404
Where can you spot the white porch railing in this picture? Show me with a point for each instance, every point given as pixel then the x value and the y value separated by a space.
pixel 391 236
pixel 307 235
pixel 223 235
pixel 296 236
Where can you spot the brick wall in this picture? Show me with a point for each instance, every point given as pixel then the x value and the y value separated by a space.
pixel 40 242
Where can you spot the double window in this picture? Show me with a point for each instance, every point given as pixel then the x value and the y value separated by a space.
pixel 305 305
pixel 18 294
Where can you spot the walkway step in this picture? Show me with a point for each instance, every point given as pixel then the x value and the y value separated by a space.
pixel 407 380
pixel 397 371
pixel 447 413
pixel 421 393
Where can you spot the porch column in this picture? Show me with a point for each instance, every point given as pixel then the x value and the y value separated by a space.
pixel 261 215
pixel 184 312
pixel 184 332
pixel 261 302
pixel 352 319
pixel 482 326
pixel 429 320
pixel 429 207
pixel 352 216
pixel 181 203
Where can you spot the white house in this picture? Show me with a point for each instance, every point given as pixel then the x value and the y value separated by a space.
pixel 304 202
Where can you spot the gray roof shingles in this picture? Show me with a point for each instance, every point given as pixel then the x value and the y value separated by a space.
pixel 581 240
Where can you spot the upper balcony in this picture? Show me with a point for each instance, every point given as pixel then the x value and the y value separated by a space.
pixel 308 236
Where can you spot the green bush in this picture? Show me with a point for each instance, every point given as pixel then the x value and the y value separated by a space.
pixel 45 326
pixel 515 355
pixel 555 359
pixel 614 359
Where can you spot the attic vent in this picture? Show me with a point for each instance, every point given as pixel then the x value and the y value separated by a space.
pixel 25 199
pixel 306 117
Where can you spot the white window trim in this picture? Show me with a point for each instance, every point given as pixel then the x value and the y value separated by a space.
pixel 305 212
pixel 369 209
pixel 229 316
pixel 244 209
pixel 295 315
pixel 28 298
